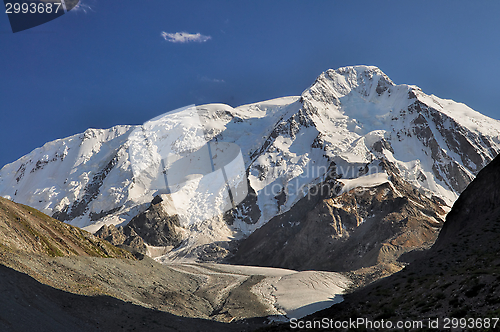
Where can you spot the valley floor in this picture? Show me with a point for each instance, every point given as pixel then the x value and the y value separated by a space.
pixel 214 292
pixel 281 293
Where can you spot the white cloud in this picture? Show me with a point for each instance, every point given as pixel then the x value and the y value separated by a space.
pixel 211 80
pixel 184 37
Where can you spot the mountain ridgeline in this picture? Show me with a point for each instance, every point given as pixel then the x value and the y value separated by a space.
pixel 356 169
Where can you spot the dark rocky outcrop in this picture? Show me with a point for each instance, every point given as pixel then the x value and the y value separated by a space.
pixel 111 234
pixel 153 226
pixel 125 238
pixel 247 210
pixel 361 228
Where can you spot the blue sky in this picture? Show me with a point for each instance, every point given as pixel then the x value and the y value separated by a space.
pixel 109 64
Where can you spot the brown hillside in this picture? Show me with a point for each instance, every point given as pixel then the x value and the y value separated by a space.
pixel 23 228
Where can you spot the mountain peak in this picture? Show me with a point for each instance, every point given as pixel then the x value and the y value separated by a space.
pixel 357 70
pixel 350 120
pixel 368 81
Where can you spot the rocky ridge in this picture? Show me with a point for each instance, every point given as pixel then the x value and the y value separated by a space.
pixel 364 227
pixel 353 117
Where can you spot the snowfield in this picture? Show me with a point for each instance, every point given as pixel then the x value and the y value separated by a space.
pixel 370 180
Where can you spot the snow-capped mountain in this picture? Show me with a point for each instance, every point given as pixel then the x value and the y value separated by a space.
pixel 352 119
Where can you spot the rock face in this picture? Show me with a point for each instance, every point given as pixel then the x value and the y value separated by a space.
pixel 362 227
pixel 153 226
pixel 125 238
pixel 458 277
pixel 354 118
pixel 156 227
pixel 111 234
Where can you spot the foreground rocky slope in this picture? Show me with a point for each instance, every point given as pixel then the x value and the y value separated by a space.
pixel 71 280
pixel 56 277
pixel 458 277
pixel 28 305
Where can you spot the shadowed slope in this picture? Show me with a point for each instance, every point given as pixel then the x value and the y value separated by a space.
pixel 27 305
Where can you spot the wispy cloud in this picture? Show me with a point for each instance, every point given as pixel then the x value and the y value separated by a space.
pixel 184 37
pixel 211 80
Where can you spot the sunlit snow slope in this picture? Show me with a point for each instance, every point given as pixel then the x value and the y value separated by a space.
pixel 351 117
